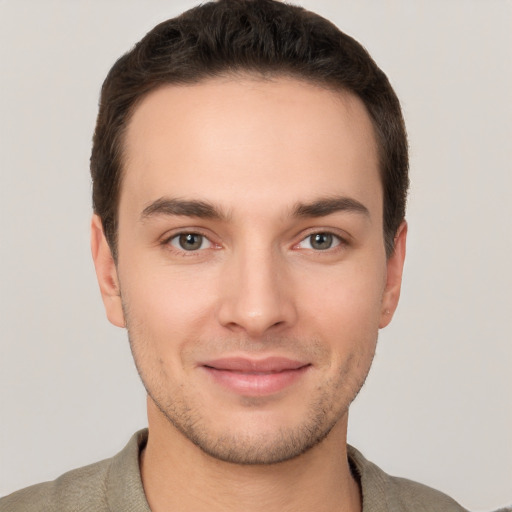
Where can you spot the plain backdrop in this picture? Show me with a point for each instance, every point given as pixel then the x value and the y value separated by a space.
pixel 437 405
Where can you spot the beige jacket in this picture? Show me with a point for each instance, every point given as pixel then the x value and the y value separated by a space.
pixel 114 485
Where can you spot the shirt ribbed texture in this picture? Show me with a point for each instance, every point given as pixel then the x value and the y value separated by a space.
pixel 115 485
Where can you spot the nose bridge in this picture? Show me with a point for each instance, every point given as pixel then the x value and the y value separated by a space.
pixel 255 296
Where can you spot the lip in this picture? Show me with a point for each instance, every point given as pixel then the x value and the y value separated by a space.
pixel 255 377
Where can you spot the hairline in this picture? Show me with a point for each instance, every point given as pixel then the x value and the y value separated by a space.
pixel 257 75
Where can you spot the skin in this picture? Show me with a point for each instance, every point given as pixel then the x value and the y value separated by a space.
pixel 256 285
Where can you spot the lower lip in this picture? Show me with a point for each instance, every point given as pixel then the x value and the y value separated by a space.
pixel 255 384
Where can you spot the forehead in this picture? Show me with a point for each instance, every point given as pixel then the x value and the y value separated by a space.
pixel 235 139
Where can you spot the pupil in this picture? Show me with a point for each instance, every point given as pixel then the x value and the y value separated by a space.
pixel 321 241
pixel 191 241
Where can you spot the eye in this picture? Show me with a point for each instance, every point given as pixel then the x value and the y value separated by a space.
pixel 190 242
pixel 320 241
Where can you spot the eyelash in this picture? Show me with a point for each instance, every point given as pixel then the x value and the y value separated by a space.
pixel 184 252
pixel 337 242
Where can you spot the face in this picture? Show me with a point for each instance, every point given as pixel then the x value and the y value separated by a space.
pixel 252 275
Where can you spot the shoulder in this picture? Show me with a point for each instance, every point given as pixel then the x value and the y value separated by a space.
pixel 421 498
pixel 109 485
pixel 81 489
pixel 383 492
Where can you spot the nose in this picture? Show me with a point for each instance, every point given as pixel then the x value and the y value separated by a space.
pixel 256 295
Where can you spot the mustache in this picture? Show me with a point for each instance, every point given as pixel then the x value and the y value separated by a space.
pixel 286 346
pixel 304 348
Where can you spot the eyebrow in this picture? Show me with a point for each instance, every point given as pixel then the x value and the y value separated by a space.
pixel 329 205
pixel 205 210
pixel 180 207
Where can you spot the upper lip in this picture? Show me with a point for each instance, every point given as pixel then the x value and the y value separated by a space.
pixel 243 364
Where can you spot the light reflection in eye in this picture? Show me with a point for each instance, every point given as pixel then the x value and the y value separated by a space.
pixel 320 241
pixel 190 242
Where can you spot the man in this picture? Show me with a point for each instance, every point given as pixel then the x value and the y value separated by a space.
pixel 249 174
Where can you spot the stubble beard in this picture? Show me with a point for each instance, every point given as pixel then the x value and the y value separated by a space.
pixel 235 446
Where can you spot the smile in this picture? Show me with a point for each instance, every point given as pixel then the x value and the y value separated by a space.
pixel 251 377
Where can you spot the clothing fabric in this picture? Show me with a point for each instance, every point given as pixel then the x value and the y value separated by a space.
pixel 115 485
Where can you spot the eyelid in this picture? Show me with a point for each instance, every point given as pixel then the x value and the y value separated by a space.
pixel 342 238
pixel 336 241
pixel 179 235
pixel 169 236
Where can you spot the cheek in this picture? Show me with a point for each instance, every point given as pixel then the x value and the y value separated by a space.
pixel 345 308
pixel 166 306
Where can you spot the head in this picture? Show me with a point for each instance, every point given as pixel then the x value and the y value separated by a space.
pixel 260 37
pixel 250 172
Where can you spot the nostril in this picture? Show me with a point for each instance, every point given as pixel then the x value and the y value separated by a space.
pixel 253 300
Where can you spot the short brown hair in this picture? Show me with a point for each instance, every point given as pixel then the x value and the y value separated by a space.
pixel 257 36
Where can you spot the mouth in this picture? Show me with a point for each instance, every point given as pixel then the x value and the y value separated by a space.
pixel 253 377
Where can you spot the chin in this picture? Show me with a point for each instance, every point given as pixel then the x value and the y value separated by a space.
pixel 253 437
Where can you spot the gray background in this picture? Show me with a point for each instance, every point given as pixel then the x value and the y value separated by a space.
pixel 437 406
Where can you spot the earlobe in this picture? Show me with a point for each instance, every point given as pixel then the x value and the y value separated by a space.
pixel 395 265
pixel 106 273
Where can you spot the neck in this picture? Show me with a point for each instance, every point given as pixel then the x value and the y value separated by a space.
pixel 177 475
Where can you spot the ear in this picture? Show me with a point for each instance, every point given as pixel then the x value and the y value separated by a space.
pixel 106 273
pixel 395 265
